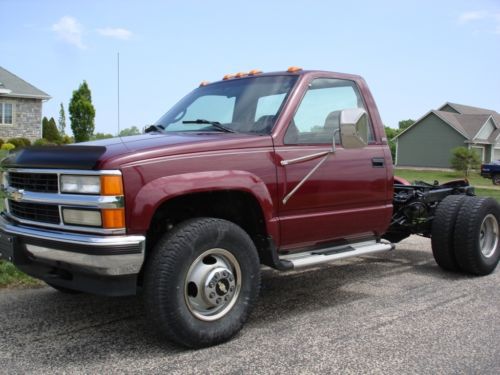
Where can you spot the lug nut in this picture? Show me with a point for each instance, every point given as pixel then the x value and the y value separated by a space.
pixel 231 289
pixel 224 274
pixel 211 285
pixel 212 295
pixel 218 301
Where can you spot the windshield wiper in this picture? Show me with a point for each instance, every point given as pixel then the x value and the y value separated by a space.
pixel 215 124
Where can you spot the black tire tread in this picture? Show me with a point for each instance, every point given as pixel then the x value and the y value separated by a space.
pixel 163 262
pixel 466 235
pixel 443 230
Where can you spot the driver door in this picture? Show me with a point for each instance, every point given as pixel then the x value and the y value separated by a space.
pixel 341 196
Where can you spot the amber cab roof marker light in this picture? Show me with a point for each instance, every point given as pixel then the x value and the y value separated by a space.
pixel 228 76
pixel 240 74
pixel 254 72
pixel 204 83
pixel 293 69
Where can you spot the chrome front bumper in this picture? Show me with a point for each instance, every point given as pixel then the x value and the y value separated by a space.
pixel 117 255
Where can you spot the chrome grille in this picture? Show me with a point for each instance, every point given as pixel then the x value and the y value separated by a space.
pixel 37 182
pixel 45 213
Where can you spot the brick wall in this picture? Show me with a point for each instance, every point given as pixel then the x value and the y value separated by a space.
pixel 27 119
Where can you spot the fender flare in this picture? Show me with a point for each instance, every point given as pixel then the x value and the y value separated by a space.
pixel 157 192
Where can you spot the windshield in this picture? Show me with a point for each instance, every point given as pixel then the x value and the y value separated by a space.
pixel 249 105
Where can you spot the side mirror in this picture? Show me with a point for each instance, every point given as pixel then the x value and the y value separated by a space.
pixel 353 128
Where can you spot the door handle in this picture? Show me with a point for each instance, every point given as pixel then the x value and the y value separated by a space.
pixel 378 162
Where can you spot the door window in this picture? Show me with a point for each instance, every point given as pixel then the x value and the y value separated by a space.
pixel 317 119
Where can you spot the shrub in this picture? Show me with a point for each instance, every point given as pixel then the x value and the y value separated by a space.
pixel 463 160
pixel 66 139
pixel 8 146
pixel 19 142
pixel 40 142
pixel 1 142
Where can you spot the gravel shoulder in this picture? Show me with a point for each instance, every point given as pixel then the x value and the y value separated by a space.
pixel 389 313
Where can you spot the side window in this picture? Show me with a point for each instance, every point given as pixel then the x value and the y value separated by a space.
pixel 318 117
pixel 209 107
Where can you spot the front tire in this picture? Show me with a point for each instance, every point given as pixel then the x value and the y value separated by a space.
pixel 201 282
pixel 477 245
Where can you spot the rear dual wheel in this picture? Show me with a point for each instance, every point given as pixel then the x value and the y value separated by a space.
pixel 465 234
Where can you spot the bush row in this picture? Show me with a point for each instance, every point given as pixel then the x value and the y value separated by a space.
pixel 20 142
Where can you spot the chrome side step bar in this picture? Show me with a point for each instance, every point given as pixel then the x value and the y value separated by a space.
pixel 310 258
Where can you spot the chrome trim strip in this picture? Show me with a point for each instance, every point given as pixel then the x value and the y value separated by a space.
pixel 111 265
pixel 62 226
pixel 79 200
pixel 67 171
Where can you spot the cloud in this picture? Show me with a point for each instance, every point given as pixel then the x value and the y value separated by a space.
pixel 489 20
pixel 69 30
pixel 117 33
pixel 466 17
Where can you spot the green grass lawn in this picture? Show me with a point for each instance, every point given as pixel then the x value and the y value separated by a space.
pixel 9 274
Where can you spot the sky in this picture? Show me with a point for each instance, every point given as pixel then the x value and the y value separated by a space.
pixel 414 55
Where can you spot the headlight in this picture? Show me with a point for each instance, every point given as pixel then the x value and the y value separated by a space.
pixel 80 184
pixel 82 217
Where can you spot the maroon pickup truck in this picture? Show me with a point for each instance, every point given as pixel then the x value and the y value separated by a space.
pixel 287 169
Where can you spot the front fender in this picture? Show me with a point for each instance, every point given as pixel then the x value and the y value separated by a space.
pixel 153 194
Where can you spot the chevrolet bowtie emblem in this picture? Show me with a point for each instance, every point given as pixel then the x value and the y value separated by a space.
pixel 16 195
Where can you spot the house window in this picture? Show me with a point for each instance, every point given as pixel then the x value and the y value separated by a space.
pixel 6 113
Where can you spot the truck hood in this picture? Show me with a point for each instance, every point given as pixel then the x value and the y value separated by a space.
pixel 112 152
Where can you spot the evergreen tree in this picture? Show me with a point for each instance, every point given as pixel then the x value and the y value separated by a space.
pixel 49 130
pixel 62 121
pixel 82 113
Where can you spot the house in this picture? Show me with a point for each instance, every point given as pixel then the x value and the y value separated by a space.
pixel 430 140
pixel 20 107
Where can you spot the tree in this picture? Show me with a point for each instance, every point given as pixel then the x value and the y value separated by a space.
pixel 62 121
pixel 463 160
pixel 391 133
pixel 82 113
pixel 49 130
pixel 129 131
pixel 403 124
pixel 98 136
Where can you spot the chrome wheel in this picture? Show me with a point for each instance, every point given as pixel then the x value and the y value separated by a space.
pixel 212 284
pixel 488 235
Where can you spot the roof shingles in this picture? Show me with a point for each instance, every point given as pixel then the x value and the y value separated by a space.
pixel 16 87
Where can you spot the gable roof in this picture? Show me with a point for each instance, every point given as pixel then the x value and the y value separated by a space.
pixel 13 86
pixel 468 121
pixel 470 110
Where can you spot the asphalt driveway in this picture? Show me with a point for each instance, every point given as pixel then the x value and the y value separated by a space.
pixel 390 313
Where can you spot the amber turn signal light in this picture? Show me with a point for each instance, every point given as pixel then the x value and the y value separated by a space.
pixel 111 185
pixel 113 218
